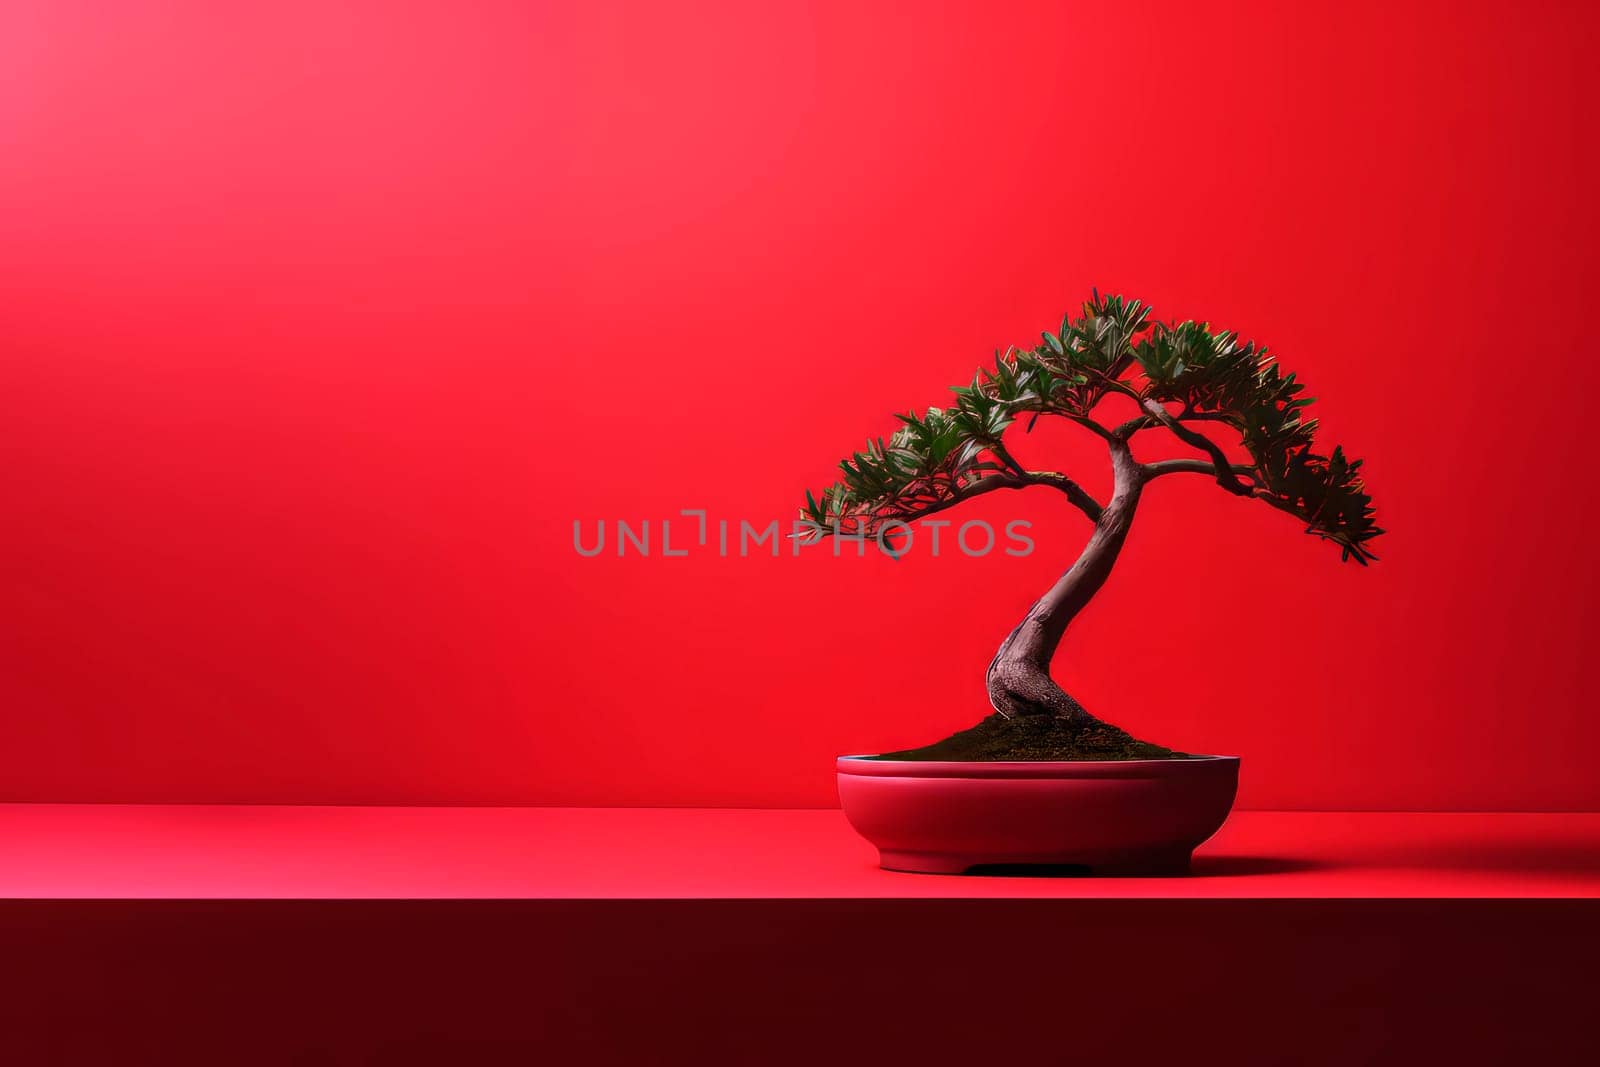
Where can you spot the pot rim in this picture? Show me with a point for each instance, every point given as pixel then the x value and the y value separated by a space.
pixel 869 766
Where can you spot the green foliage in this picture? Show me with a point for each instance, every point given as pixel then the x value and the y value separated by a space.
pixel 1199 376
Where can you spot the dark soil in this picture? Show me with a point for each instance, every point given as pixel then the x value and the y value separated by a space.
pixel 1037 737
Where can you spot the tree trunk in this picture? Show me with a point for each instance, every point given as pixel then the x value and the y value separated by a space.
pixel 1019 679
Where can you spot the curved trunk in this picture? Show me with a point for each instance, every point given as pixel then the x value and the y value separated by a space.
pixel 1019 679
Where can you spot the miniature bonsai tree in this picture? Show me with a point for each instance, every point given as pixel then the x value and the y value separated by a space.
pixel 1173 378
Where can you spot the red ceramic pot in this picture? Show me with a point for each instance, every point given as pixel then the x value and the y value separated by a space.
pixel 1113 817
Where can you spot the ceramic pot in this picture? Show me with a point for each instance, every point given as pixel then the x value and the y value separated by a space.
pixel 1121 817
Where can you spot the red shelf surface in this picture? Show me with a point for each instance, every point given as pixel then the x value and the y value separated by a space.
pixel 257 852
pixel 271 935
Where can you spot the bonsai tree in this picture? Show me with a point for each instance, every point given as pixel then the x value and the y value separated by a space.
pixel 1179 379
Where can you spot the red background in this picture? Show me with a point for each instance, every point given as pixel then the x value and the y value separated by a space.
pixel 323 322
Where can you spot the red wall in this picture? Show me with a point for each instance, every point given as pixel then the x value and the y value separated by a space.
pixel 323 322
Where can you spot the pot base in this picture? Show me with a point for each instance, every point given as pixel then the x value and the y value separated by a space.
pixel 1155 864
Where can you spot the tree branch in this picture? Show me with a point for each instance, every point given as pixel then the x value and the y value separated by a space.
pixel 1144 422
pixel 1192 466
pixel 1074 492
pixel 1219 462
pixel 1085 421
